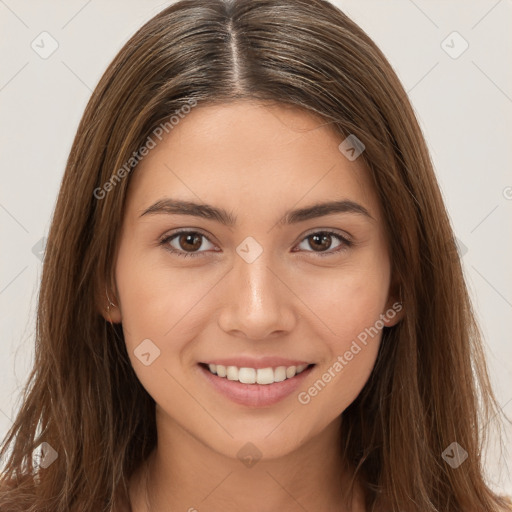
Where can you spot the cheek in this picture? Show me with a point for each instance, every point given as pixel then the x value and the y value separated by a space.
pixel 160 304
pixel 350 304
pixel 350 350
pixel 152 314
pixel 338 382
pixel 347 299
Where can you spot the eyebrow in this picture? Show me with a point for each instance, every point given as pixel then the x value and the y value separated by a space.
pixel 177 207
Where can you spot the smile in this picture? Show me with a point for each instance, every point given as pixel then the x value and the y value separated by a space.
pixel 255 387
pixel 256 375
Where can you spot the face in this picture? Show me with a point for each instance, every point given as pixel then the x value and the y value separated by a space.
pixel 257 280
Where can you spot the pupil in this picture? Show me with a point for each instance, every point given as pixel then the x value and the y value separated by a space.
pixel 323 239
pixel 187 240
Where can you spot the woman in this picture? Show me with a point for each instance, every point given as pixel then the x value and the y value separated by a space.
pixel 251 298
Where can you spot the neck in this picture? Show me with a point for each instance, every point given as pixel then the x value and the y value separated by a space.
pixel 184 474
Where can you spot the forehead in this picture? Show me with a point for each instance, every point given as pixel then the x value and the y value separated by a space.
pixel 248 155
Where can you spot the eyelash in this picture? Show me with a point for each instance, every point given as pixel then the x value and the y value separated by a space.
pixel 345 243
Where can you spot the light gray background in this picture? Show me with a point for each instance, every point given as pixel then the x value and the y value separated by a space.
pixel 464 106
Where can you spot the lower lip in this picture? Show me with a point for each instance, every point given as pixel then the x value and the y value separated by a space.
pixel 255 395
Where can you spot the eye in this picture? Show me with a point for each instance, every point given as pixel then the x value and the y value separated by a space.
pixel 322 240
pixel 188 243
pixel 185 241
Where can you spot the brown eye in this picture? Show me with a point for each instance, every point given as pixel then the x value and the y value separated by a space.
pixel 321 243
pixel 185 243
pixel 190 241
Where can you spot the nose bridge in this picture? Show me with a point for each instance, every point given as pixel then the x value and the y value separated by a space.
pixel 258 303
pixel 257 284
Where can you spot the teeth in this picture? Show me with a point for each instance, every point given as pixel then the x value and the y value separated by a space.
pixel 232 372
pixel 264 376
pixel 257 376
pixel 247 375
pixel 280 374
pixel 291 371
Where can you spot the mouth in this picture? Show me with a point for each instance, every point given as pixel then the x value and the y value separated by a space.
pixel 263 376
pixel 255 387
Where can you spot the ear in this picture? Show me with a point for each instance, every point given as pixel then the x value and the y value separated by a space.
pixel 395 310
pixel 108 304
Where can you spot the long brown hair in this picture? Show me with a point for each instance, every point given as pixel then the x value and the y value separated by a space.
pixel 429 387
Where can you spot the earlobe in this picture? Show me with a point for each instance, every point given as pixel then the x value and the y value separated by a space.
pixel 395 308
pixel 109 310
pixel 394 313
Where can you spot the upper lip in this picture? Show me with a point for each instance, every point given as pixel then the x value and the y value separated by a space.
pixel 263 362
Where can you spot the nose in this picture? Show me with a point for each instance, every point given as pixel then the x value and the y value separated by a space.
pixel 258 301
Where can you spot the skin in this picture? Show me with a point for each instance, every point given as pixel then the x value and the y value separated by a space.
pixel 257 161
